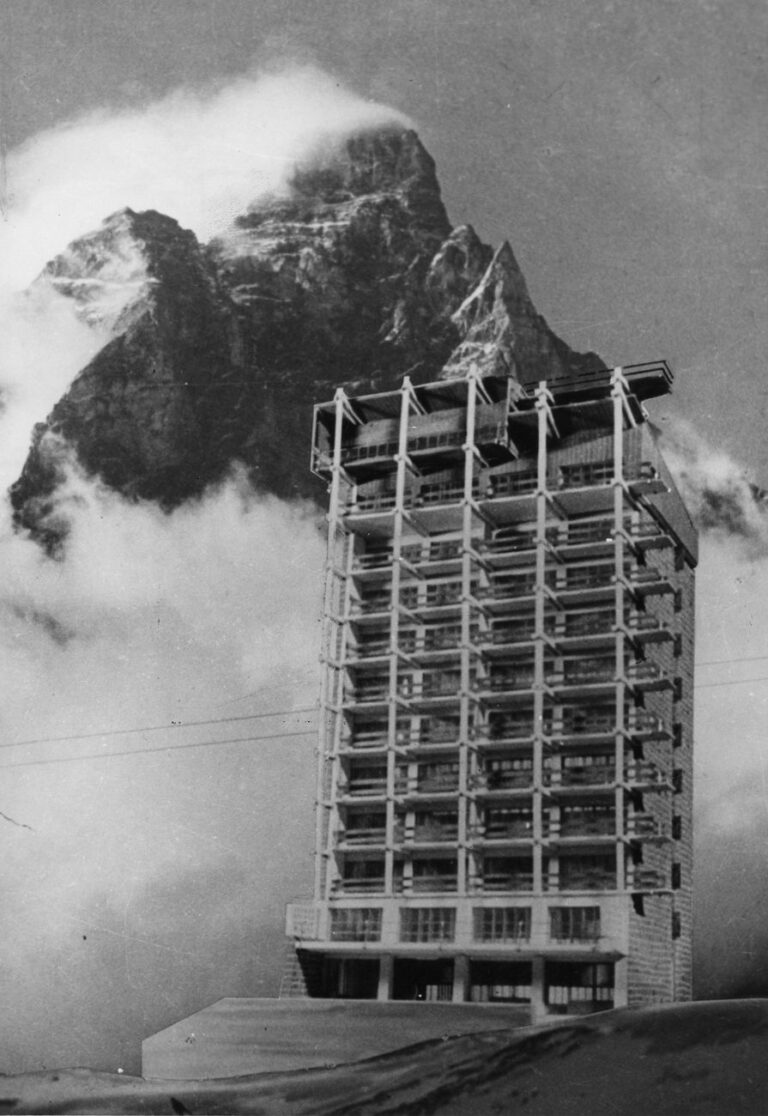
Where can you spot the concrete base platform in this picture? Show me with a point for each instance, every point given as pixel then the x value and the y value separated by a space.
pixel 234 1037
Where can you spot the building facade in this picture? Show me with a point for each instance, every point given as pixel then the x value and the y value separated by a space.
pixel 505 760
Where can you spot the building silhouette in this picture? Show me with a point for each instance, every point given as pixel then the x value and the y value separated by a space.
pixel 505 761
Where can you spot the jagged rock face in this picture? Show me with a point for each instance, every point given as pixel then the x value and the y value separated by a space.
pixel 353 275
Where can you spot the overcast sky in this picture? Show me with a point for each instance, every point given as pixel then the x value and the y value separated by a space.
pixel 621 148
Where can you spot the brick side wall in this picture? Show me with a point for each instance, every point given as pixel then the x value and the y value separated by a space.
pixel 660 965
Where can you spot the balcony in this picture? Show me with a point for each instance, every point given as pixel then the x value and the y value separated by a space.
pixel 501 682
pixel 443 781
pixel 647 726
pixel 583 723
pixel 504 636
pixel 574 877
pixel 371 885
pixel 432 884
pixel 517 826
pixel 429 831
pixel 508 881
pixel 504 588
pixel 502 780
pixel 648 676
pixel 583 825
pixel 357 454
pixel 642 774
pixel 438 732
pixel 602 774
pixel 447 593
pixel 645 827
pixel 372 693
pixel 501 728
pixel 584 675
pixel 521 483
pixel 372 604
pixel 376 502
pixel 641 879
pixel 373 786
pixel 363 836
pixel 519 543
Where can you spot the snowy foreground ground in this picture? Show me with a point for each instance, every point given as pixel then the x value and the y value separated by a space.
pixel 695 1058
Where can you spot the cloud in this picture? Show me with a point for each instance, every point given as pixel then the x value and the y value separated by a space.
pixel 719 494
pixel 199 157
pixel 209 614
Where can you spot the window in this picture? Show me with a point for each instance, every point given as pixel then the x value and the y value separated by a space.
pixel 677 647
pixel 677 876
pixel 502 924
pixel 677 690
pixel 678 600
pixel 677 827
pixel 574 924
pixel 677 924
pixel 427 924
pixel 677 734
pixel 361 925
pixel 677 780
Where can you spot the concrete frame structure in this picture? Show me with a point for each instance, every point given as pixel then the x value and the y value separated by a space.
pixel 505 755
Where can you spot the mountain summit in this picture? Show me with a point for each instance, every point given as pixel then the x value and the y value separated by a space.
pixel 351 275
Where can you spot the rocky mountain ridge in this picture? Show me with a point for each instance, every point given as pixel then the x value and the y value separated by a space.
pixel 216 353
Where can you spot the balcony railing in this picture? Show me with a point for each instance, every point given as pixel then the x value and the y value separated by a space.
pixel 591 879
pixel 433 832
pixel 372 885
pixel 502 728
pixel 643 825
pixel 520 633
pixel 582 826
pixel 512 484
pixel 508 587
pixel 491 882
pixel 430 884
pixel 438 734
pixel 369 836
pixel 520 829
pixel 428 784
pixel 591 775
pixel 646 773
pixel 501 780
pixel 646 879
pixel 364 788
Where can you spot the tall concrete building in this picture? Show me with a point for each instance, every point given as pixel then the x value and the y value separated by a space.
pixel 505 760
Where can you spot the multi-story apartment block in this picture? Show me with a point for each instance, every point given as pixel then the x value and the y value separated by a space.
pixel 505 760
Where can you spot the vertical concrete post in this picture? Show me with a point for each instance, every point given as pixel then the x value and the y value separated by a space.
pixel 460 979
pixel 618 395
pixel 538 1006
pixel 386 968
pixel 466 628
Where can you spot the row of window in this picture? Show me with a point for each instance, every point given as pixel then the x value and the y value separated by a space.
pixel 491 924
pixel 451 487
pixel 369 778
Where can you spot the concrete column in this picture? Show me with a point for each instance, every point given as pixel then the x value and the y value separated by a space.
pixel 538 1007
pixel 386 965
pixel 621 983
pixel 460 979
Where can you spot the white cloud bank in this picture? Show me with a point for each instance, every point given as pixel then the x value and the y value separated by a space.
pixel 140 889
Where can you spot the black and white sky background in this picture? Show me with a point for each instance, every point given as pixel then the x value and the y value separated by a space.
pixel 622 149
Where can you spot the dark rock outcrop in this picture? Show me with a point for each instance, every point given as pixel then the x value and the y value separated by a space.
pixel 352 276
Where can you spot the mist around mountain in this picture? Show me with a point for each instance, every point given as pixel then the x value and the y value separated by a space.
pixel 351 274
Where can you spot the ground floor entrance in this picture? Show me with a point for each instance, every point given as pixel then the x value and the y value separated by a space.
pixel 551 987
